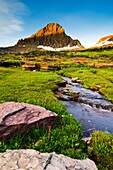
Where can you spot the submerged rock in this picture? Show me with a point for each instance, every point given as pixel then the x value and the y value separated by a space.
pixel 76 80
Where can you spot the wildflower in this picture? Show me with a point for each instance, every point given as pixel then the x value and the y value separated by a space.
pixel 49 128
pixel 49 134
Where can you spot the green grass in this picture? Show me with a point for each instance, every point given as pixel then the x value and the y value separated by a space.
pixel 92 78
pixel 25 86
pixel 105 53
pixel 37 88
pixel 62 139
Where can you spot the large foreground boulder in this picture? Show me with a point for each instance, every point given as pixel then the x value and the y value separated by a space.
pixel 33 160
pixel 16 118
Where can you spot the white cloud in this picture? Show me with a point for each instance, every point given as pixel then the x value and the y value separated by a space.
pixel 11 12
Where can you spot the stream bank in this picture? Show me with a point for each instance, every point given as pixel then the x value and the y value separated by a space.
pixel 92 110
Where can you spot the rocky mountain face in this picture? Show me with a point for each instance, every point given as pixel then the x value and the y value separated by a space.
pixel 52 35
pixel 50 29
pixel 105 41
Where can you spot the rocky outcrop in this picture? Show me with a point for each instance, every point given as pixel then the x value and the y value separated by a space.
pixel 52 35
pixel 108 38
pixel 33 160
pixel 105 42
pixel 30 66
pixel 16 118
pixel 102 65
pixel 50 29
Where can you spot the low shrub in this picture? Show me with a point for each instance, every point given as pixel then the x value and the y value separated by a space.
pixel 101 150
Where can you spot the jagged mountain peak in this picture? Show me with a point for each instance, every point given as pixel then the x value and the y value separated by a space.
pixel 49 29
pixel 52 36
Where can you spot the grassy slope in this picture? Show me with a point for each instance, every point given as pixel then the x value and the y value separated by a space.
pixel 37 88
pixel 30 87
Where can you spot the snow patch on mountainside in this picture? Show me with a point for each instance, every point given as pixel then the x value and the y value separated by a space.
pixel 48 48
pixel 105 42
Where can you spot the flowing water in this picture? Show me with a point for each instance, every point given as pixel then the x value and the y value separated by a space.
pixel 92 110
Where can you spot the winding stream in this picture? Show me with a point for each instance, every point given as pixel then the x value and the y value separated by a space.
pixel 92 110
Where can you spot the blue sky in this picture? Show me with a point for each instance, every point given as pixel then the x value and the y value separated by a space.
pixel 82 19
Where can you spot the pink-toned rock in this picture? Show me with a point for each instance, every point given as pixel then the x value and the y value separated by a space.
pixel 87 140
pixel 76 80
pixel 16 118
